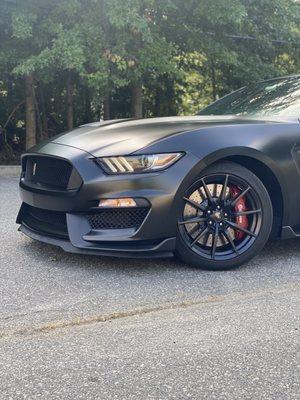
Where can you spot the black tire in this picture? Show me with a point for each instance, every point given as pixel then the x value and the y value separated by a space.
pixel 226 252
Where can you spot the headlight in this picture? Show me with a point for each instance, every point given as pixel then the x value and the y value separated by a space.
pixel 138 164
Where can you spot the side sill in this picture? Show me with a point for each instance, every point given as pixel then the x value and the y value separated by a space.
pixel 287 232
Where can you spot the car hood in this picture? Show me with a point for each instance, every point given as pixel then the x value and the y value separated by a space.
pixel 120 137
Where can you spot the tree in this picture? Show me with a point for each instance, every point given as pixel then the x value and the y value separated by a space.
pixel 138 51
pixel 241 40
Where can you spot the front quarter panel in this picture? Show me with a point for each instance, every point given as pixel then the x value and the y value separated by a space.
pixel 277 145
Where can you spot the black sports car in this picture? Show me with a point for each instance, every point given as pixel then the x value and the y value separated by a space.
pixel 211 188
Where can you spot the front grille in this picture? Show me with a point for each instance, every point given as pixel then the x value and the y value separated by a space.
pixel 48 172
pixel 53 223
pixel 118 219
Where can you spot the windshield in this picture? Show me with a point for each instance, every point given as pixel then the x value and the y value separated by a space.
pixel 275 97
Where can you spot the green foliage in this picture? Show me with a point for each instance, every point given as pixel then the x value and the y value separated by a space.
pixel 22 25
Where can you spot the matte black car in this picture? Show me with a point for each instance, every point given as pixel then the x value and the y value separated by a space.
pixel 211 189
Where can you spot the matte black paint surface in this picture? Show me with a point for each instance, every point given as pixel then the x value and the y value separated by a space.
pixel 128 136
pixel 273 142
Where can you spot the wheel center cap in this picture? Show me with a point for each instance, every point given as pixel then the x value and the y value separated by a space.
pixel 217 216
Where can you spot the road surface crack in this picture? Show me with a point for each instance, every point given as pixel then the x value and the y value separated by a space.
pixel 92 319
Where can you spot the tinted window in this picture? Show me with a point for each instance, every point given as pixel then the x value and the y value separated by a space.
pixel 276 97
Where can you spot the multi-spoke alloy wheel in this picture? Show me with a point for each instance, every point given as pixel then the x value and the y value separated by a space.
pixel 226 216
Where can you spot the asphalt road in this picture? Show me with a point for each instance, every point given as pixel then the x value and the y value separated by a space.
pixel 78 327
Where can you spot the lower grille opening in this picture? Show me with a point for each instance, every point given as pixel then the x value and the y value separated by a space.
pixel 122 218
pixel 53 223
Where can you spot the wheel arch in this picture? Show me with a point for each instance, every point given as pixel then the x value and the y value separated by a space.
pixel 270 181
pixel 263 167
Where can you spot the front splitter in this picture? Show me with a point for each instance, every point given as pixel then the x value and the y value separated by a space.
pixel 164 249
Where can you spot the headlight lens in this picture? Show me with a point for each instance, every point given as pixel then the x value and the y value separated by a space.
pixel 138 164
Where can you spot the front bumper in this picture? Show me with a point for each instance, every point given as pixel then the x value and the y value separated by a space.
pixel 154 237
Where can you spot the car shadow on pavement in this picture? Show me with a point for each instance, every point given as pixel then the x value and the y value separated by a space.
pixel 275 251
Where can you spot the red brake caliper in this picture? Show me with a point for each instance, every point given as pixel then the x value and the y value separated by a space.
pixel 241 220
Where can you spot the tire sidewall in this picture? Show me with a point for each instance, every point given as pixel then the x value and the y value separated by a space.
pixel 189 256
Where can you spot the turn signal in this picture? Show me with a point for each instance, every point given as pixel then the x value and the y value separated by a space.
pixel 115 203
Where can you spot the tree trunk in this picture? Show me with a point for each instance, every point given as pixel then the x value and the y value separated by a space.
pixel 137 101
pixel 170 106
pixel 44 113
pixel 87 106
pixel 39 125
pixel 30 112
pixel 70 111
pixel 213 80
pixel 106 107
pixel 157 102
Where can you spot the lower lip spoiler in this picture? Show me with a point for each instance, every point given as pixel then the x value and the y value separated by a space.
pixel 162 250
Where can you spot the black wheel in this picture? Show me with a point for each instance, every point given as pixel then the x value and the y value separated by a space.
pixel 225 218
